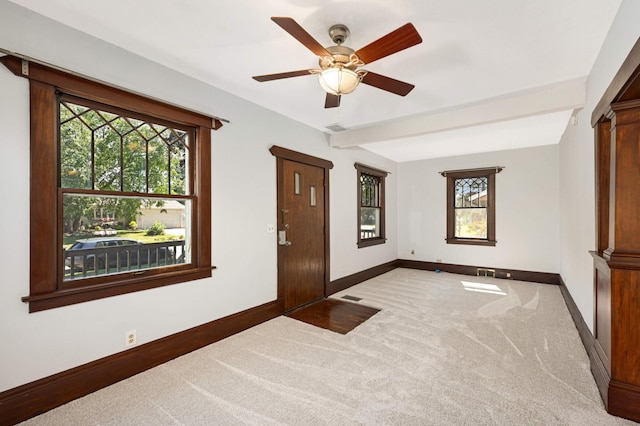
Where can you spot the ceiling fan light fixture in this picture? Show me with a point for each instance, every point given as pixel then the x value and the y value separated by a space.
pixel 338 72
pixel 338 80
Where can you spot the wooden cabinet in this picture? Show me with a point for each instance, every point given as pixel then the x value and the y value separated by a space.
pixel 615 355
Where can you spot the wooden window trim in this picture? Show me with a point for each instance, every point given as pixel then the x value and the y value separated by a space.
pixel 451 176
pixel 368 242
pixel 45 223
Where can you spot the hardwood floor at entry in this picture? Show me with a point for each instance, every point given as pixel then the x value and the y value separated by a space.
pixel 334 315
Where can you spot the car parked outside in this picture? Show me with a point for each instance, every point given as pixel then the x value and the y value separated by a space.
pixel 113 253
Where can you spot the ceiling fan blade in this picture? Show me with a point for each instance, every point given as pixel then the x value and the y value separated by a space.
pixel 400 39
pixel 299 33
pixel 332 101
pixel 269 77
pixel 387 83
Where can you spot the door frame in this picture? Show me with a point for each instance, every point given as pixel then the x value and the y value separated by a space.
pixel 282 154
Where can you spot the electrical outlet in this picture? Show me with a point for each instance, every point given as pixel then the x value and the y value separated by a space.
pixel 130 338
pixel 271 228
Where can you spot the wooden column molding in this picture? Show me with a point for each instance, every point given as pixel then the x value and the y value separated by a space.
pixel 615 353
pixel 603 158
pixel 624 183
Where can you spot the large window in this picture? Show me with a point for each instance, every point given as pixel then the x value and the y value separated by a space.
pixel 117 174
pixel 120 190
pixel 471 206
pixel 371 224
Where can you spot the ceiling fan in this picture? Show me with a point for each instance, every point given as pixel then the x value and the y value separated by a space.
pixel 338 73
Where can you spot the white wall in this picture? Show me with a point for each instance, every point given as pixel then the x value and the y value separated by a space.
pixel 243 203
pixel 526 210
pixel 346 257
pixel 577 195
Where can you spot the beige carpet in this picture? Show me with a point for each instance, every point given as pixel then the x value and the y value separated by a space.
pixel 444 350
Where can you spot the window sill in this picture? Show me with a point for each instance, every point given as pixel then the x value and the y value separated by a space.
pixel 471 242
pixel 67 297
pixel 371 242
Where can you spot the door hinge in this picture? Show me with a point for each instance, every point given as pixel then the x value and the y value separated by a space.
pixel 25 67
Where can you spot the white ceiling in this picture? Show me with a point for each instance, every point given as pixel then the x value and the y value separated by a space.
pixel 485 71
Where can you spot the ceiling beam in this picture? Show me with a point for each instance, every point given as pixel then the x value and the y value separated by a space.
pixel 562 96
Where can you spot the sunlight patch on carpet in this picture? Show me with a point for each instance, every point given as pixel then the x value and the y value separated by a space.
pixel 482 288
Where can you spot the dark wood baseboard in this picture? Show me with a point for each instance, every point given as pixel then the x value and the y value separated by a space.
pixel 515 274
pixel 598 370
pixel 620 399
pixel 583 330
pixel 624 400
pixel 600 375
pixel 353 279
pixel 29 400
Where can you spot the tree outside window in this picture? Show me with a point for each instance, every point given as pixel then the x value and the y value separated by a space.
pixel 101 159
pixel 471 206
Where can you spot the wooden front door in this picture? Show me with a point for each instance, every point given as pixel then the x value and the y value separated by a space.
pixel 302 218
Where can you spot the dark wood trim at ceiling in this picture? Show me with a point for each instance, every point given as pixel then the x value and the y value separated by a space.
pixel 80 86
pixel 519 275
pixel 625 84
pixel 29 400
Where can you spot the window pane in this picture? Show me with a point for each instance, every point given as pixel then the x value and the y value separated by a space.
pixel 158 166
pixel 471 223
pixel 75 149
pixel 107 155
pixel 178 166
pixel 110 152
pixel 110 235
pixel 471 192
pixel 134 151
pixel 369 192
pixel 296 183
pixel 312 195
pixel 369 222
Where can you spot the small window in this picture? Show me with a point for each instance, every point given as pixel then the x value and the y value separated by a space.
pixel 471 206
pixel 371 223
